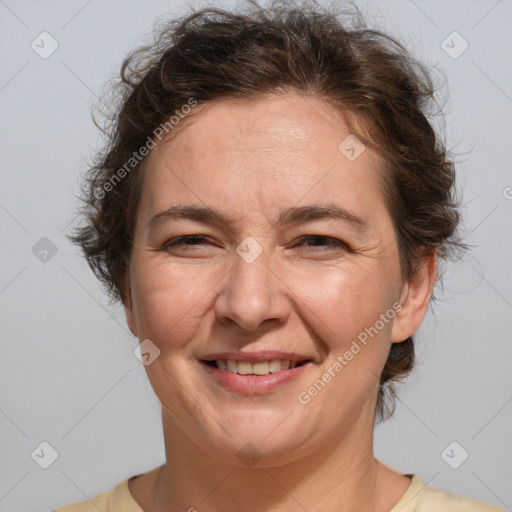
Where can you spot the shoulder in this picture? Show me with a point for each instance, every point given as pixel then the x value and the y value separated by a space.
pixel 100 501
pixel 421 498
pixel 438 500
pixel 118 499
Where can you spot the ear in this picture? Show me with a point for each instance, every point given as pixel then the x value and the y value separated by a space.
pixel 415 298
pixel 128 310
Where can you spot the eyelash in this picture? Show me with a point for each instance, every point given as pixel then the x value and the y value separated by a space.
pixel 334 242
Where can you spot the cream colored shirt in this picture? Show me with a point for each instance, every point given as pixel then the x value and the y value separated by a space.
pixel 418 498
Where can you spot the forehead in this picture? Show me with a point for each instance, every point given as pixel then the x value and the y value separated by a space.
pixel 285 126
pixel 282 150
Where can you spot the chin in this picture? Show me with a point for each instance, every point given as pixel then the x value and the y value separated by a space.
pixel 250 444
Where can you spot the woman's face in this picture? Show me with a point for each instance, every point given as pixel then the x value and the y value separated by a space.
pixel 272 281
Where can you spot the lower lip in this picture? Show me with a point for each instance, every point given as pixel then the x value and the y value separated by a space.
pixel 253 384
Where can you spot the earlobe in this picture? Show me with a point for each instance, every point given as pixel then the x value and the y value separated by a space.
pixel 415 299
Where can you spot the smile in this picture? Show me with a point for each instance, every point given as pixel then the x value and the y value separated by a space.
pixel 254 378
pixel 259 368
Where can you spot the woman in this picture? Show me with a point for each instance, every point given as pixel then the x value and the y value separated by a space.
pixel 270 209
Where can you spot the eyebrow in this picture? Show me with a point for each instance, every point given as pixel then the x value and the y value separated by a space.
pixel 289 217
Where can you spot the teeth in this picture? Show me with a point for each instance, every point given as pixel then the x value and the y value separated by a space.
pixel 274 366
pixel 243 367
pixel 232 366
pixel 261 368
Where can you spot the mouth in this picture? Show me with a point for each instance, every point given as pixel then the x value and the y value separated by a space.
pixel 254 374
pixel 255 368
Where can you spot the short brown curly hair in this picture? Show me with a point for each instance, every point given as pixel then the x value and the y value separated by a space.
pixel 215 54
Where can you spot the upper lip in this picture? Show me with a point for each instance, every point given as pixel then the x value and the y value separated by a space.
pixel 257 357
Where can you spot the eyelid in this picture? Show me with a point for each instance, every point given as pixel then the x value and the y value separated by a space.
pixel 182 238
pixel 332 241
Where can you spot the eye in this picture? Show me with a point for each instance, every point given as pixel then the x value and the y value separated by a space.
pixel 188 240
pixel 324 241
pixel 318 241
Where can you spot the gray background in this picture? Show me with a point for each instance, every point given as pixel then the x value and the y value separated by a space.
pixel 68 374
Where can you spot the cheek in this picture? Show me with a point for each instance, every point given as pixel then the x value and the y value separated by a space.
pixel 170 303
pixel 341 303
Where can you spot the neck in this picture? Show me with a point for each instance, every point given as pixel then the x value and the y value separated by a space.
pixel 339 475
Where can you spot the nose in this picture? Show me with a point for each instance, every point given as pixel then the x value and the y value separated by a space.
pixel 253 293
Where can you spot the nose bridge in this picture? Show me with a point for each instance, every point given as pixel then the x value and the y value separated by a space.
pixel 252 293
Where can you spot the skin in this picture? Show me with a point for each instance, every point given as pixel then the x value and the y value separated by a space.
pixel 251 160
